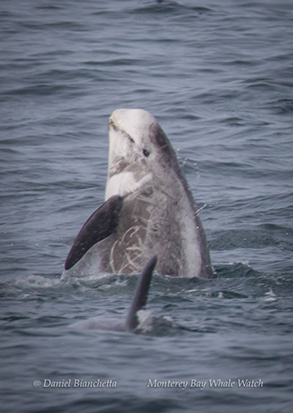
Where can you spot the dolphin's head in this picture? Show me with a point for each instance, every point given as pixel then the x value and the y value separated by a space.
pixel 138 146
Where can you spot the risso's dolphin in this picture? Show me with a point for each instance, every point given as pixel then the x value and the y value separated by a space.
pixel 139 301
pixel 148 208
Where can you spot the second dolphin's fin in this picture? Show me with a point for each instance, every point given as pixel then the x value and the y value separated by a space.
pixel 141 294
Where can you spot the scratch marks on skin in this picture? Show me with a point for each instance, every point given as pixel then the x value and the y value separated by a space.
pixel 153 226
pixel 132 237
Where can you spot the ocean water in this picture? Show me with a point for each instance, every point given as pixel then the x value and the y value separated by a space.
pixel 218 77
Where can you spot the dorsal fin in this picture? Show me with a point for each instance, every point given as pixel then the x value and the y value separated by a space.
pixel 141 294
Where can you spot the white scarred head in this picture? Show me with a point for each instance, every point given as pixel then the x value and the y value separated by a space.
pixel 137 145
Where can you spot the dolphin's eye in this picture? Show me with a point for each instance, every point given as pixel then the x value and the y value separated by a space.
pixel 146 153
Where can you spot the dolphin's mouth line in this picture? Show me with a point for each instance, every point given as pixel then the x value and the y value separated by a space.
pixel 113 125
pixel 117 167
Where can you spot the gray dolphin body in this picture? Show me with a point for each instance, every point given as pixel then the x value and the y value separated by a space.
pixel 148 208
pixel 139 301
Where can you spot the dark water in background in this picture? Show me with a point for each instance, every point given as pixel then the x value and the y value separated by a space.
pixel 218 76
